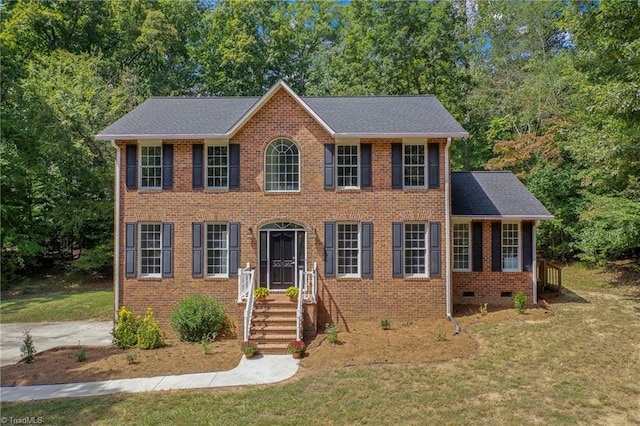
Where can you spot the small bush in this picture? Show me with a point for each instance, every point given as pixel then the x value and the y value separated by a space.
pixel 28 349
pixel 439 334
pixel 131 358
pixel 125 333
pixel 149 333
pixel 80 354
pixel 292 292
pixel 197 317
pixel 520 302
pixel 206 343
pixel 332 333
pixel 484 309
pixel 261 292
pixel 385 323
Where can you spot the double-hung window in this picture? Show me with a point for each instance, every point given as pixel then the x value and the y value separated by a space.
pixel 510 247
pixel 151 167
pixel 414 166
pixel 217 254
pixel 282 166
pixel 150 249
pixel 348 249
pixel 217 167
pixel 347 166
pixel 461 247
pixel 415 249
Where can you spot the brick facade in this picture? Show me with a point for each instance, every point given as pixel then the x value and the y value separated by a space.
pixel 340 300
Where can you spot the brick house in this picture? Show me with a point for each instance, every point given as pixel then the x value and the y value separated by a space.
pixel 350 199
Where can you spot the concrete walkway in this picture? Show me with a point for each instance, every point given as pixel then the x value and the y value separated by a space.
pixel 262 369
pixel 47 335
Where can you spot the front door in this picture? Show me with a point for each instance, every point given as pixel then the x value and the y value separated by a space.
pixel 282 249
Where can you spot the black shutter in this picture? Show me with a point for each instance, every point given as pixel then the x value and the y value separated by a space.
pixel 396 166
pixel 234 166
pixel 167 166
pixel 132 166
pixel 234 248
pixel 198 166
pixel 329 249
pixel 367 250
pixel 434 249
pixel 527 246
pixel 396 237
pixel 167 249
pixel 130 250
pixel 496 246
pixel 197 250
pixel 365 166
pixel 434 165
pixel 476 246
pixel 329 174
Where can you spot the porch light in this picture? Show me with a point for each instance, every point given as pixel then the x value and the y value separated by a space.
pixel 249 234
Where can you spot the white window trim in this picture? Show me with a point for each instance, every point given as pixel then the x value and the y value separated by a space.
pixel 519 257
pixel 148 143
pixel 206 249
pixel 468 268
pixel 416 141
pixel 140 274
pixel 264 168
pixel 213 143
pixel 359 274
pixel 347 142
pixel 426 250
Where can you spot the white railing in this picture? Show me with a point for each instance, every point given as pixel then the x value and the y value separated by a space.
pixel 310 284
pixel 245 282
pixel 299 331
pixel 245 292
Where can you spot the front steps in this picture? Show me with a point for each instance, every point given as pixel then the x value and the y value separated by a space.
pixel 273 324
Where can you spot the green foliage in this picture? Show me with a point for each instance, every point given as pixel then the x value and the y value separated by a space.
pixel 149 334
pixel 384 323
pixel 261 292
pixel 292 292
pixel 197 317
pixel 331 331
pixel 125 335
pixel 80 354
pixel 484 309
pixel 520 302
pixel 131 358
pixel 440 335
pixel 249 347
pixel 28 349
pixel 296 346
pixel 207 343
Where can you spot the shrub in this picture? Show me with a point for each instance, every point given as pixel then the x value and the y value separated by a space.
pixel 292 292
pixel 80 354
pixel 296 346
pixel 28 349
pixel 207 342
pixel 131 358
pixel 261 292
pixel 439 334
pixel 520 302
pixel 332 333
pixel 149 333
pixel 197 317
pixel 484 309
pixel 125 333
pixel 249 348
pixel 385 323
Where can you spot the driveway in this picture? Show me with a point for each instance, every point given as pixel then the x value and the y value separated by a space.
pixel 47 335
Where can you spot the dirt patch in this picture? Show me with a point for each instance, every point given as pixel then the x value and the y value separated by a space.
pixel 366 343
pixel 59 365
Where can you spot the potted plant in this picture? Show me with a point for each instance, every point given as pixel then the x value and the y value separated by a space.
pixel 292 293
pixel 261 293
pixel 249 349
pixel 296 348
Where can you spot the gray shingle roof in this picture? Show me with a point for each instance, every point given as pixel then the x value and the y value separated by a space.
pixel 367 116
pixel 385 114
pixel 180 116
pixel 493 194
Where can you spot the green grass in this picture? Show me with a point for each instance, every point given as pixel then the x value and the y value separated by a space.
pixel 579 367
pixel 58 297
pixel 96 304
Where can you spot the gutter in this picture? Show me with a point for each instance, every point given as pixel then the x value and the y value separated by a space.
pixel 116 225
pixel 447 231
pixel 534 272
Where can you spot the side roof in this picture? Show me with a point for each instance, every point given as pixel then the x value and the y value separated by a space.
pixel 493 195
pixel 221 117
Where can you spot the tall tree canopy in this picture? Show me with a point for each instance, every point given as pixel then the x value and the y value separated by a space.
pixel 548 89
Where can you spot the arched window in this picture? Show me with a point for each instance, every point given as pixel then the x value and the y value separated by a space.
pixel 282 166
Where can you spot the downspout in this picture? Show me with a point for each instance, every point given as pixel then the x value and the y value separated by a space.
pixel 534 273
pixel 447 231
pixel 116 225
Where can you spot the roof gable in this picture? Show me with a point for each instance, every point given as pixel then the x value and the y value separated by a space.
pixel 493 195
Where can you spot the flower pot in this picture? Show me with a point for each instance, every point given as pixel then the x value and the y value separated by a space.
pixel 249 355
pixel 293 299
pixel 297 355
pixel 262 299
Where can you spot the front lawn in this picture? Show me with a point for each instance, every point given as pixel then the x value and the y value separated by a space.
pixel 581 366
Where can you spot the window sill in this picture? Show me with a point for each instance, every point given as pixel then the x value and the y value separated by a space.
pixel 348 278
pixel 217 278
pixel 277 193
pixel 151 279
